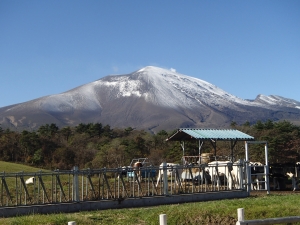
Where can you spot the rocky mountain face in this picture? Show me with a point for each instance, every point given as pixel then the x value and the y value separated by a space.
pixel 152 99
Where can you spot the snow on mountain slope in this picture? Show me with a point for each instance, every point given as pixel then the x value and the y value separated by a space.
pixel 277 100
pixel 64 102
pixel 71 100
pixel 183 89
pixel 168 88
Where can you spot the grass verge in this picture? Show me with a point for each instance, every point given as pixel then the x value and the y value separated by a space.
pixel 211 212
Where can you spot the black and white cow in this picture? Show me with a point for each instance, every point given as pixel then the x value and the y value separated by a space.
pixel 280 172
pixel 293 174
pixel 225 172
pixel 257 175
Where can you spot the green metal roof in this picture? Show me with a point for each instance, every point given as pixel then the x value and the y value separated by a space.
pixel 184 134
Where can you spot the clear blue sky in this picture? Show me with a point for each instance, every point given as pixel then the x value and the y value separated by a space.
pixel 244 47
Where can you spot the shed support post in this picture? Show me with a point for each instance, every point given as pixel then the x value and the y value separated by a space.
pixel 182 146
pixel 200 145
pixel 214 144
pixel 232 145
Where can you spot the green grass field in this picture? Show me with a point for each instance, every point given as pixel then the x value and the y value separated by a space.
pixel 211 212
pixel 258 206
pixel 8 167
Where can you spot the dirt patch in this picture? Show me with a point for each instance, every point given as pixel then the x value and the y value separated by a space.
pixel 211 220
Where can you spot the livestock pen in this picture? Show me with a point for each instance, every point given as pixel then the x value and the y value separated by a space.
pixel 88 189
pixel 77 190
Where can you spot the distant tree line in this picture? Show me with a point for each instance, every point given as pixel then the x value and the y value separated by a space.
pixel 93 145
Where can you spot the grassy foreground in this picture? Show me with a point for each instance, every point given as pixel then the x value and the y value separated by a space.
pixel 212 212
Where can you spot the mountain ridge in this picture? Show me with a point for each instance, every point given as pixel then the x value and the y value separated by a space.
pixel 151 98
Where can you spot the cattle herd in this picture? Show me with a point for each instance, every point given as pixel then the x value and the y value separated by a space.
pixel 217 173
pixel 281 176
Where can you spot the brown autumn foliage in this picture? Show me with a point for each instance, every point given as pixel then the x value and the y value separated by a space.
pixel 96 146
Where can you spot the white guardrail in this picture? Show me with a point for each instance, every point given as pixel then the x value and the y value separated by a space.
pixel 242 221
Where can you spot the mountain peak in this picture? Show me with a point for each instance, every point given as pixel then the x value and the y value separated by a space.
pixel 154 69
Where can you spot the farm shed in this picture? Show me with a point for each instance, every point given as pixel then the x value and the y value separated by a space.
pixel 211 135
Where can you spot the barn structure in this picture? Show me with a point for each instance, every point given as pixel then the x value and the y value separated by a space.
pixel 212 135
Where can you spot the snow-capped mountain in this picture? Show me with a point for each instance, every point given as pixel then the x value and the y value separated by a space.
pixel 151 98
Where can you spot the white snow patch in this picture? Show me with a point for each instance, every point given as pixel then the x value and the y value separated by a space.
pixel 268 99
pixel 126 86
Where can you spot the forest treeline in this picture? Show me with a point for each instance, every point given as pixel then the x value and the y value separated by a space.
pixel 95 145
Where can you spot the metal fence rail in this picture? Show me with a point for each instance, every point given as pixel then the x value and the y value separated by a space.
pixel 76 185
